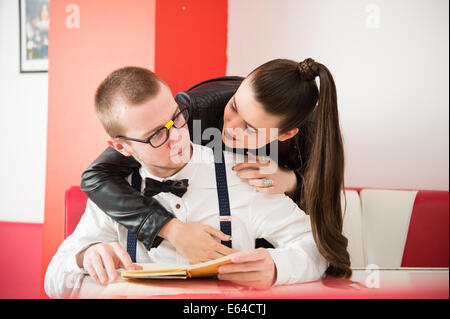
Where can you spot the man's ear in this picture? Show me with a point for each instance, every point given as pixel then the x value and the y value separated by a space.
pixel 289 134
pixel 118 146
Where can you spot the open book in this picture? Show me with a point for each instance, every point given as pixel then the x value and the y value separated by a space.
pixel 155 271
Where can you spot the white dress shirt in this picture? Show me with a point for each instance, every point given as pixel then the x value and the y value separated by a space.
pixel 274 217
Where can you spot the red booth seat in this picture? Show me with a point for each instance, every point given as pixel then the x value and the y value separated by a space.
pixel 75 204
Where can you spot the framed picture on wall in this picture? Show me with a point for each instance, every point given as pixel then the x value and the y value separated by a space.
pixel 34 22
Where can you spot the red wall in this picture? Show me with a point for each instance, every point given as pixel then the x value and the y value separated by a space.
pixel 191 41
pixel 182 41
pixel 20 259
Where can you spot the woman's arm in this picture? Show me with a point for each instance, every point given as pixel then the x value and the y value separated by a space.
pixel 104 182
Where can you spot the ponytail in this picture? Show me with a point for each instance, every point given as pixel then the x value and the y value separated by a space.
pixel 324 175
pixel 288 89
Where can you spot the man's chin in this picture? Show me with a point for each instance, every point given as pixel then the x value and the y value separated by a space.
pixel 177 160
pixel 182 156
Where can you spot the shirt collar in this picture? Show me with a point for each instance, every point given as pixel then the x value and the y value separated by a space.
pixel 200 169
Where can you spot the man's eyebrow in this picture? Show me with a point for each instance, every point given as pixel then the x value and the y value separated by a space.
pixel 148 133
pixel 235 106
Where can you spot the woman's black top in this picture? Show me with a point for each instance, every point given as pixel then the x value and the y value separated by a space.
pixel 104 181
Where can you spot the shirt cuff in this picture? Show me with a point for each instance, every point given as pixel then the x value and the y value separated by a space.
pixel 281 263
pixel 296 266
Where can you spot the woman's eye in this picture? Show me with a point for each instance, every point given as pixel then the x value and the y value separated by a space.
pixel 233 108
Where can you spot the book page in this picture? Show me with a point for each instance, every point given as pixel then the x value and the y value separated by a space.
pixel 161 271
pixel 180 275
pixel 152 270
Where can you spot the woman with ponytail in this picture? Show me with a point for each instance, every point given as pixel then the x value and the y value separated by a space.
pixel 280 94
pixel 288 88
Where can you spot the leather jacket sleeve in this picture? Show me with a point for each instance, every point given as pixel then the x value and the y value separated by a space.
pixel 104 182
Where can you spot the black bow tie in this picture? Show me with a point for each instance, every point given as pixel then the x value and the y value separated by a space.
pixel 153 187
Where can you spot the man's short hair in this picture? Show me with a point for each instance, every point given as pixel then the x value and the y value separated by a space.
pixel 133 85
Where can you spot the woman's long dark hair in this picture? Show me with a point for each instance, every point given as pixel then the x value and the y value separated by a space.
pixel 288 88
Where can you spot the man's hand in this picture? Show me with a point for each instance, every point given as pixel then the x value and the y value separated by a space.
pixel 196 241
pixel 101 260
pixel 254 268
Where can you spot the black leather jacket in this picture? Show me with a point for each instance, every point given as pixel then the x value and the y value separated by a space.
pixel 104 181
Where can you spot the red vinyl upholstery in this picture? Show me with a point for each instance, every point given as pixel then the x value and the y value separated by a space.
pixel 75 204
pixel 427 240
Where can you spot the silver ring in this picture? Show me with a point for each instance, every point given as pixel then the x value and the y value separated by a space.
pixel 268 182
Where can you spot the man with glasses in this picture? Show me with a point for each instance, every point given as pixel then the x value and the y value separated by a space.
pixel 162 135
pixel 143 120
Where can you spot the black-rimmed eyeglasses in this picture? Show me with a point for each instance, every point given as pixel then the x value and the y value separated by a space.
pixel 162 135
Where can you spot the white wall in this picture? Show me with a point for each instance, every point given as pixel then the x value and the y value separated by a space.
pixel 23 127
pixel 392 80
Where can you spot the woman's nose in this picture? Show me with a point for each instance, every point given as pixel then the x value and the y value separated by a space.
pixel 235 129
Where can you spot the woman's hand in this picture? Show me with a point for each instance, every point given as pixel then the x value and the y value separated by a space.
pixel 254 268
pixel 258 168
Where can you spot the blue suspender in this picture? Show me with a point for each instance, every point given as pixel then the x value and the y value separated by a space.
pixel 136 182
pixel 224 202
pixel 131 246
